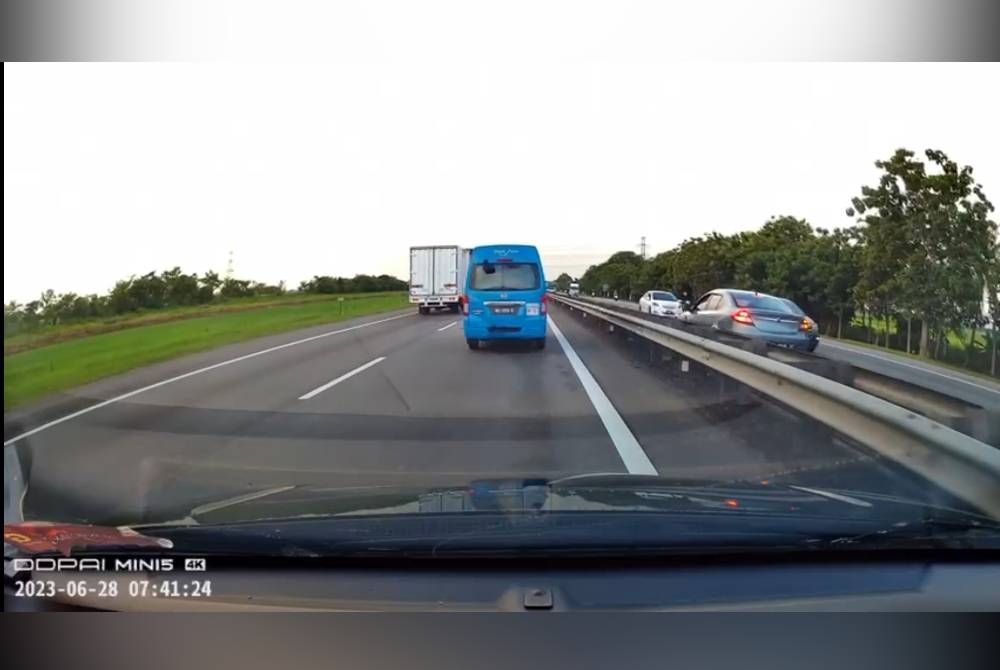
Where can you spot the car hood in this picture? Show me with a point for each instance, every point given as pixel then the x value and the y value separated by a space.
pixel 585 493
pixel 597 514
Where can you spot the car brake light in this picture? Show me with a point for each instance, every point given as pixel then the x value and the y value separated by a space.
pixel 743 316
pixel 545 300
pixel 805 325
pixel 465 304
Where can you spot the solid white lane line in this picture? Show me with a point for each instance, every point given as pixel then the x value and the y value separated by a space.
pixel 895 361
pixel 346 375
pixel 447 327
pixel 635 459
pixel 178 378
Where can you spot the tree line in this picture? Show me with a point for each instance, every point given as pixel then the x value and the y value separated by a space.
pixel 356 284
pixel 917 266
pixel 170 288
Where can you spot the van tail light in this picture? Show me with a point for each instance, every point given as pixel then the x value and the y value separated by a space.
pixel 545 303
pixel 464 300
pixel 743 316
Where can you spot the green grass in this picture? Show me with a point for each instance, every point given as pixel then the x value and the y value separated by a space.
pixel 956 340
pixel 60 333
pixel 34 374
pixel 915 357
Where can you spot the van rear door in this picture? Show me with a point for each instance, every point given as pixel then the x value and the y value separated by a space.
pixel 421 272
pixel 445 271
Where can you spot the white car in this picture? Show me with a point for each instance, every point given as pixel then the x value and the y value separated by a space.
pixel 660 303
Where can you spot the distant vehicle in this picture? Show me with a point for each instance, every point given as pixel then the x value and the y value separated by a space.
pixel 660 303
pixel 505 296
pixel 755 315
pixel 436 276
pixel 574 289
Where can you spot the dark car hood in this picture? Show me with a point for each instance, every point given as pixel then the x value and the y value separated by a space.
pixel 587 493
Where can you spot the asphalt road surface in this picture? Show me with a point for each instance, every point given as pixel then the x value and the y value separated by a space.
pixel 952 383
pixel 400 400
pixel 972 389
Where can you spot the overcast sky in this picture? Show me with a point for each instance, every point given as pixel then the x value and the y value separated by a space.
pixel 119 169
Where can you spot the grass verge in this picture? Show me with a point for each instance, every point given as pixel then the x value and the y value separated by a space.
pixel 47 335
pixel 34 374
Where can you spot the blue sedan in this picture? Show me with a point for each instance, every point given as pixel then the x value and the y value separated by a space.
pixel 755 315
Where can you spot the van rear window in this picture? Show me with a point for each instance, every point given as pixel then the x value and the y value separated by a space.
pixel 505 277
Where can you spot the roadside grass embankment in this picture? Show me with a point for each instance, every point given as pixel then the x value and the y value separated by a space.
pixel 83 353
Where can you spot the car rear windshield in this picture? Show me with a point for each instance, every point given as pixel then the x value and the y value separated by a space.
pixel 793 308
pixel 505 277
pixel 663 295
pixel 766 302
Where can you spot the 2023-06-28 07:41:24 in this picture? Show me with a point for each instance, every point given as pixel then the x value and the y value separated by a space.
pixel 114 588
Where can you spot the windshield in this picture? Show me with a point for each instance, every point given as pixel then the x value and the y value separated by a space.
pixel 764 302
pixel 504 277
pixel 793 308
pixel 248 306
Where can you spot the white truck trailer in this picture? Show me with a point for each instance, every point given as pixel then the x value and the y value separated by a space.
pixel 437 277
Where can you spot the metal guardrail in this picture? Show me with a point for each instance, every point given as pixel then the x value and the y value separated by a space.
pixel 961 414
pixel 962 465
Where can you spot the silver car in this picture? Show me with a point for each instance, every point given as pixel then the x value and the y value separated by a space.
pixel 755 315
pixel 660 303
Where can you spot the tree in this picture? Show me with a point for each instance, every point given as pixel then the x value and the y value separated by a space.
pixel 590 282
pixel 236 288
pixel 628 258
pixel 181 288
pixel 928 241
pixel 837 257
pixel 993 307
pixel 706 263
pixel 563 281
pixel 357 284
pixel 209 283
pixel 619 278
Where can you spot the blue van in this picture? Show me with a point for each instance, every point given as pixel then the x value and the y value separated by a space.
pixel 505 295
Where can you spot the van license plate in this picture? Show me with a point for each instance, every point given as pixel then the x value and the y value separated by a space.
pixel 505 309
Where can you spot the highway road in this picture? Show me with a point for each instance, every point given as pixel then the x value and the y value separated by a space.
pixel 952 383
pixel 400 400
